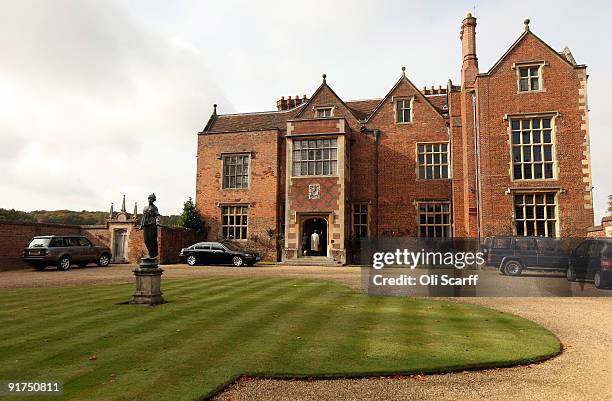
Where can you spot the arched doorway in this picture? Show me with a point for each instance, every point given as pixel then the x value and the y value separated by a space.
pixel 309 226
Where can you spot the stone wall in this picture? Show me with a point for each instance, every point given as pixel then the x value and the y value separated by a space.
pixel 603 230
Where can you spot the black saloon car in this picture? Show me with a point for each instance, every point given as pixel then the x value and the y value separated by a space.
pixel 592 260
pixel 207 253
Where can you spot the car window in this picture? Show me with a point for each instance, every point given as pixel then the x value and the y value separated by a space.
pixel 594 249
pixel 606 252
pixel 502 243
pixel 525 244
pixel 39 243
pixel 581 249
pixel 84 242
pixel 57 242
pixel 202 246
pixel 71 241
pixel 218 247
pixel 547 245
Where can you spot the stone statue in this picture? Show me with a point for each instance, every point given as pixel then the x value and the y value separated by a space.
pixel 148 225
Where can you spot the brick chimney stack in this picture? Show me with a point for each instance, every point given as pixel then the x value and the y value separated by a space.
pixel 469 67
pixel 290 103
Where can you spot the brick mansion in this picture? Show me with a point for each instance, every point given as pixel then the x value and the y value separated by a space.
pixel 503 152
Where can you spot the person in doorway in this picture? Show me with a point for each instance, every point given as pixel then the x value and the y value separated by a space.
pixel 315 245
pixel 305 244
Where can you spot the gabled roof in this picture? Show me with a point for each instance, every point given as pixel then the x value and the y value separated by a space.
pixel 362 110
pixel 526 33
pixel 403 78
pixel 316 93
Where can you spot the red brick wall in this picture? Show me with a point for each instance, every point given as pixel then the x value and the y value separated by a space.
pixel 497 96
pixel 262 194
pixel 16 236
pixel 330 194
pixel 172 239
pixel 399 187
pixel 99 235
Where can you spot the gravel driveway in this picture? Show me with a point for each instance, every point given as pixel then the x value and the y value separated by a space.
pixel 582 372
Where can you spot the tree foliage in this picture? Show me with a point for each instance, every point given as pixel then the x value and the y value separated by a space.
pixel 190 218
pixel 16 216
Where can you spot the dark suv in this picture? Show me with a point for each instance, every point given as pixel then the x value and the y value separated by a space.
pixel 592 260
pixel 63 251
pixel 512 255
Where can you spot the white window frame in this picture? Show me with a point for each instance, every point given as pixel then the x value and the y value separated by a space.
pixel 447 228
pixel 529 66
pixel 404 100
pixel 532 200
pixel 234 226
pixel 312 159
pixel 533 133
pixel 323 110
pixel 227 156
pixel 429 162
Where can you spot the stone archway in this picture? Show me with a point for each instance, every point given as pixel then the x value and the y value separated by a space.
pixel 309 225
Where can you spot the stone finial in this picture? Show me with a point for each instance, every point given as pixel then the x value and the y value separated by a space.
pixel 526 22
pixel 324 78
pixel 110 214
pixel 135 209
pixel 215 109
pixel 123 204
pixel 403 71
pixel 469 15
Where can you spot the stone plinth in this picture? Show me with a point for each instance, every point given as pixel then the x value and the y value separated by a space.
pixel 148 283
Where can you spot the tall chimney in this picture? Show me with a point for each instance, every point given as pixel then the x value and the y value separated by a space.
pixel 469 67
pixel 281 104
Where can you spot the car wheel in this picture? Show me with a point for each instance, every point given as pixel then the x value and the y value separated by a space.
pixel 64 263
pixel 104 260
pixel 570 274
pixel 191 260
pixel 599 281
pixel 237 261
pixel 513 268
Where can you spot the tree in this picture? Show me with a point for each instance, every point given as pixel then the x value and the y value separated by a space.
pixel 13 215
pixel 190 218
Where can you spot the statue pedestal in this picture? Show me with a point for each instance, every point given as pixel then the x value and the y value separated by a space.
pixel 148 283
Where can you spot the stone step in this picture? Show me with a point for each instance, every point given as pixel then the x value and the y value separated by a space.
pixel 312 261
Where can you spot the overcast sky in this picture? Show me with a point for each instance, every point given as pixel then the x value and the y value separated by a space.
pixel 104 98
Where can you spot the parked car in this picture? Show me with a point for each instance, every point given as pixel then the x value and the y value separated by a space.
pixel 63 251
pixel 512 255
pixel 592 260
pixel 217 253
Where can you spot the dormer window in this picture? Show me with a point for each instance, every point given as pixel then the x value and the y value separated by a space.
pixel 530 78
pixel 324 112
pixel 403 111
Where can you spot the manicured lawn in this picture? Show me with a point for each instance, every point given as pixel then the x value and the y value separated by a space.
pixel 213 330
